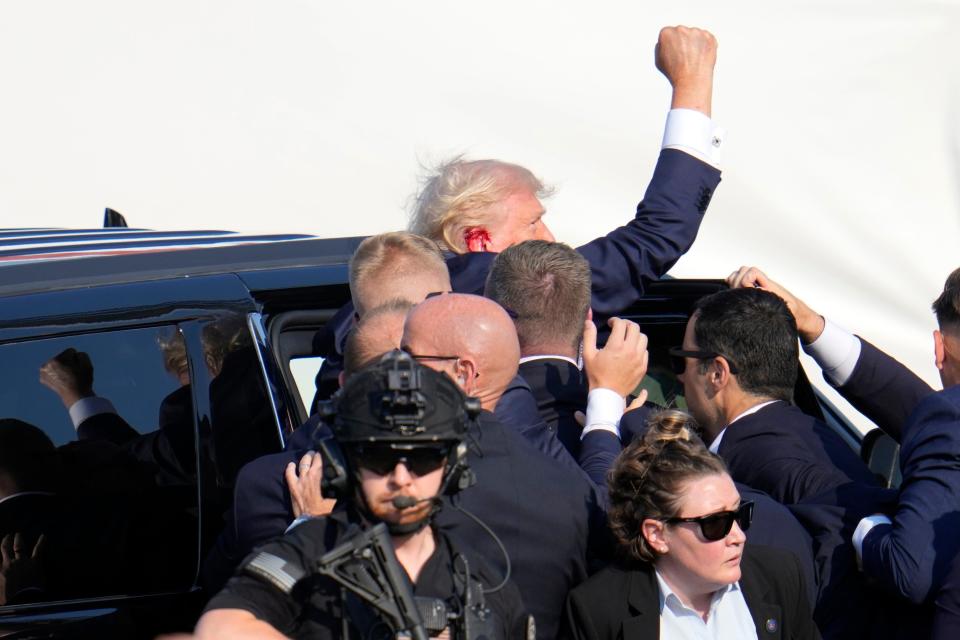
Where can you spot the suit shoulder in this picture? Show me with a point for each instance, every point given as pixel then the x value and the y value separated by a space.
pixel 946 400
pixel 599 586
pixel 773 565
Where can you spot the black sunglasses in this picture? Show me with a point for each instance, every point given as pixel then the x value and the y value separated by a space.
pixel 425 357
pixel 716 526
pixel 382 459
pixel 678 357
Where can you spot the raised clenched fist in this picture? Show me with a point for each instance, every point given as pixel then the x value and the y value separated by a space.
pixel 686 56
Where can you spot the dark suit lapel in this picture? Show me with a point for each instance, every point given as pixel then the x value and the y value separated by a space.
pixel 745 426
pixel 766 613
pixel 644 604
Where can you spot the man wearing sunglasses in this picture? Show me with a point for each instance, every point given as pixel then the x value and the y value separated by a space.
pixel 397 446
pixel 911 553
pixel 738 365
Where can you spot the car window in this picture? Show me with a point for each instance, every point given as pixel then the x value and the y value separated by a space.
pixel 97 465
pixel 304 372
pixel 243 413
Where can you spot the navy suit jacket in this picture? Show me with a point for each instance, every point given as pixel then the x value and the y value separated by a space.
pixel 884 390
pixel 912 556
pixel 560 391
pixel 801 462
pixel 789 455
pixel 517 409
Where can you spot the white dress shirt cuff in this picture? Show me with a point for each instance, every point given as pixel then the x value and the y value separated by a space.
pixel 605 407
pixel 303 517
pixel 863 528
pixel 695 133
pixel 85 408
pixel 836 351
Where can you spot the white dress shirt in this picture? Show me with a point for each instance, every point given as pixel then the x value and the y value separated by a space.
pixel 729 616
pixel 85 408
pixel 836 351
pixel 695 133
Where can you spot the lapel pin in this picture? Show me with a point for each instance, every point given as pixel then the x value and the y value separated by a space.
pixel 771 625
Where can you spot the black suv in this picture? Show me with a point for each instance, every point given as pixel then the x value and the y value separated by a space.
pixel 201 350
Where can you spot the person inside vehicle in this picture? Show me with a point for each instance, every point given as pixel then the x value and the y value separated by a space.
pixel 685 570
pixel 398 432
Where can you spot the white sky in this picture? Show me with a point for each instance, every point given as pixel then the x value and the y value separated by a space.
pixel 842 167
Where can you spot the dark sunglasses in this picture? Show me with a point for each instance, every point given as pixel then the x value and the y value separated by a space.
pixel 420 357
pixel 716 526
pixel 381 460
pixel 678 357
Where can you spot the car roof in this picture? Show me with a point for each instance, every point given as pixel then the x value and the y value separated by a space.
pixel 36 260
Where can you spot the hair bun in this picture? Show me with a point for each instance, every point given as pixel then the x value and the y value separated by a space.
pixel 670 425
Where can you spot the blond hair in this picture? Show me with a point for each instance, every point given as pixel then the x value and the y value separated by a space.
pixel 397 254
pixel 462 194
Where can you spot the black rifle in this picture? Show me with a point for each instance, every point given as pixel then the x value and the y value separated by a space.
pixel 367 566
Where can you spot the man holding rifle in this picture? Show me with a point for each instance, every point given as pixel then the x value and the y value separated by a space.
pixel 398 446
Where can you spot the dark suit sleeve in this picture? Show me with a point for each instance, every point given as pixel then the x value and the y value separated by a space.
pixel 911 557
pixel 883 389
pixel 665 226
pixel 598 451
pixel 517 410
pixel 106 426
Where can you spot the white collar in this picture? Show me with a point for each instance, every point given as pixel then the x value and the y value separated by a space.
pixel 667 594
pixel 715 445
pixel 549 357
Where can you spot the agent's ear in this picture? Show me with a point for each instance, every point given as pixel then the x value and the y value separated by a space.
pixel 719 372
pixel 653 531
pixel 341 378
pixel 467 374
pixel 476 239
pixel 939 350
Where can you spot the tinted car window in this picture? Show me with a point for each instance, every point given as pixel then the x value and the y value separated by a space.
pixel 97 465
pixel 243 422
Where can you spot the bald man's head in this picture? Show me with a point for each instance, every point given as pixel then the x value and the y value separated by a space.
pixel 476 337
pixel 378 332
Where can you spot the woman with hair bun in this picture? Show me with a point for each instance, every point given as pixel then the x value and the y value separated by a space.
pixel 684 569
